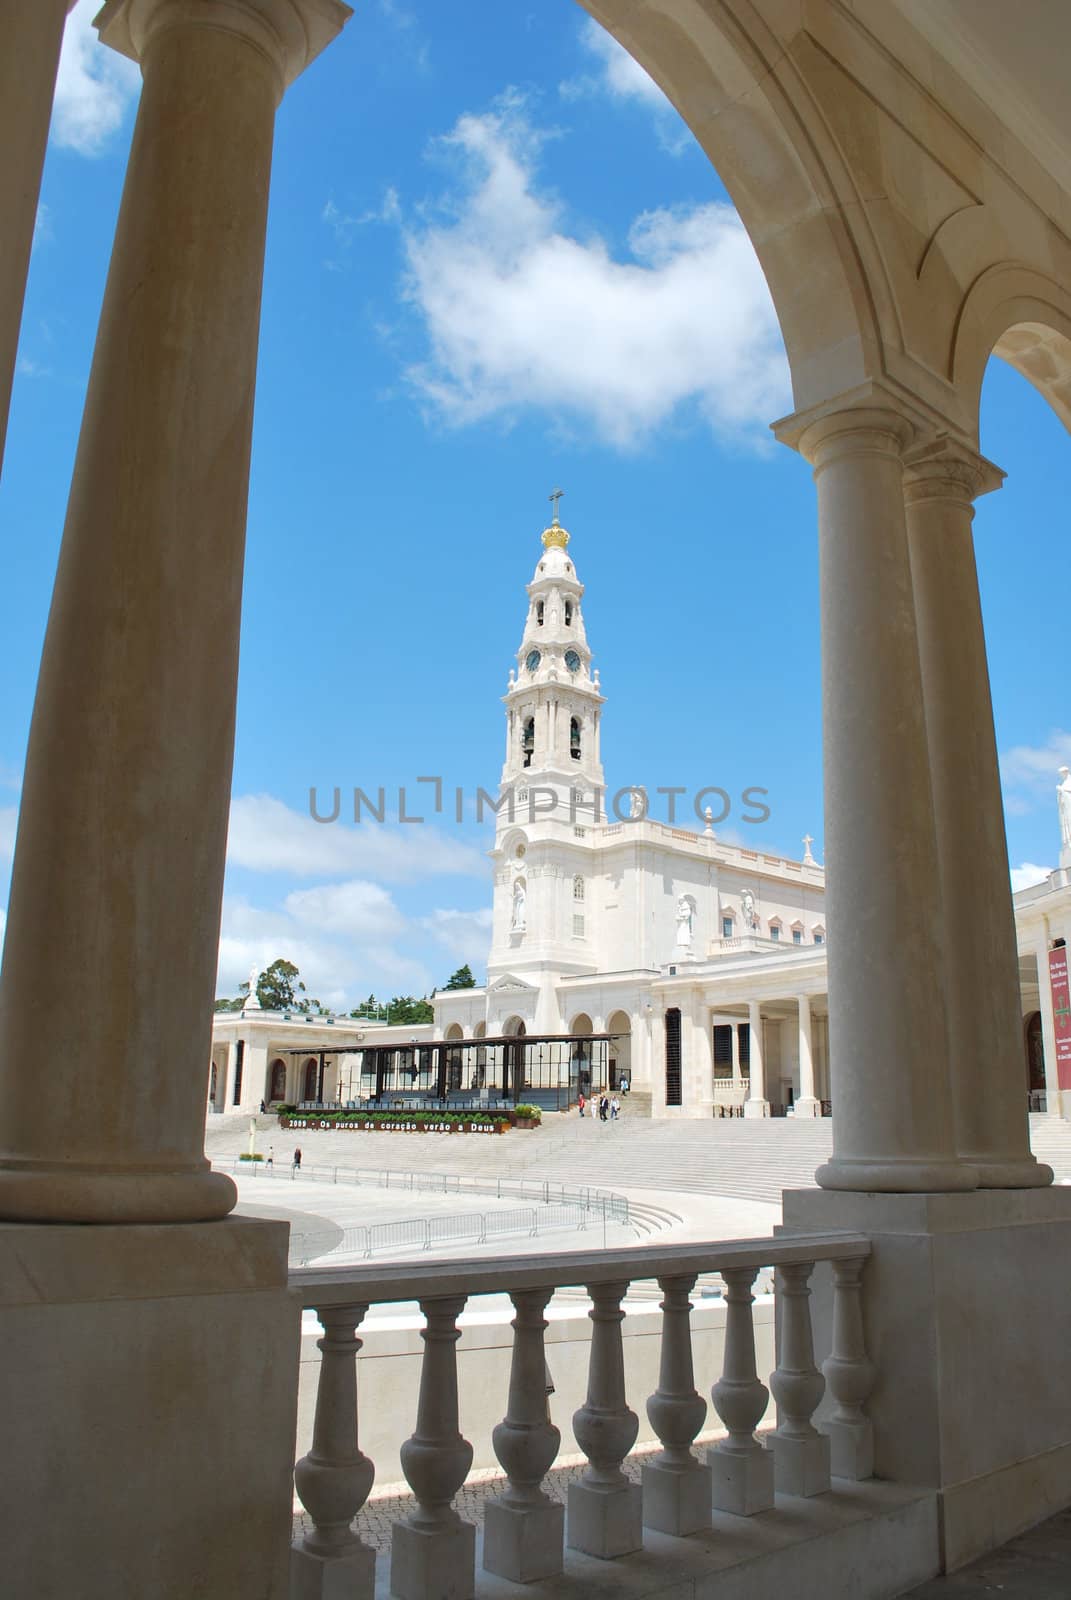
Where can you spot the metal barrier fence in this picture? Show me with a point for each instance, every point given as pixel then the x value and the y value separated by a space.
pixel 421 1233
pixel 604 1203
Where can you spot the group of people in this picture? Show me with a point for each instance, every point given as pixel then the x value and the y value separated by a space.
pixel 607 1107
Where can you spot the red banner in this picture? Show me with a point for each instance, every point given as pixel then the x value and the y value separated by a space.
pixel 1061 1014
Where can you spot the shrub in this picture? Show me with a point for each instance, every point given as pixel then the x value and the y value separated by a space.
pixel 245 1156
pixel 532 1113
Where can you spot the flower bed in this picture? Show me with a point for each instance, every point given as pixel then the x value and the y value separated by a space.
pixel 392 1121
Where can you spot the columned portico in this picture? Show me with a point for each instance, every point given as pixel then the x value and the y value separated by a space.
pixel 894 1126
pixel 118 869
pixel 29 57
pixel 980 960
pixel 756 1104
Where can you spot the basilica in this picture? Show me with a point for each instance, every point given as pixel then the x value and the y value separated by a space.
pixel 624 950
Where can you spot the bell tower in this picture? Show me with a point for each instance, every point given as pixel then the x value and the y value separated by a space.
pixel 553 703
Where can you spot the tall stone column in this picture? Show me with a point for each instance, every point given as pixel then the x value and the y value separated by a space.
pixel 893 1125
pixel 32 36
pixel 109 964
pixel 807 1105
pixel 756 1104
pixel 981 960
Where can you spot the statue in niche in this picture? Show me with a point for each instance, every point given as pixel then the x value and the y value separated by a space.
pixel 684 923
pixel 747 903
pixel 1063 801
pixel 520 901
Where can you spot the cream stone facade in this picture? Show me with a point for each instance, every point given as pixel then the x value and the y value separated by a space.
pixel 607 921
pixel 904 171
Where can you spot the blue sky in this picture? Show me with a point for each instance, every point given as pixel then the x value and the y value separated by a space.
pixel 496 262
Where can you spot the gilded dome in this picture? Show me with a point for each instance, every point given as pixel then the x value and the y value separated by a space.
pixel 555 537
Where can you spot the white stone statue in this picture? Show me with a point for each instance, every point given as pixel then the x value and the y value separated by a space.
pixel 684 923
pixel 520 901
pixel 637 806
pixel 251 1001
pixel 1063 801
pixel 747 902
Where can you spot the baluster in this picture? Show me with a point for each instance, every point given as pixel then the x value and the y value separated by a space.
pixel 676 1487
pixel 801 1453
pixel 743 1472
pixel 334 1479
pixel 605 1509
pixel 850 1375
pixel 433 1552
pixel 523 1527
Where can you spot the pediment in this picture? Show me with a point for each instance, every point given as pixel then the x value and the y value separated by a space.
pixel 509 983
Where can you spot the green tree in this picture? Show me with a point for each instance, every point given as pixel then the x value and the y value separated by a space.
pixel 403 1008
pixel 230 1005
pixel 279 986
pixel 462 979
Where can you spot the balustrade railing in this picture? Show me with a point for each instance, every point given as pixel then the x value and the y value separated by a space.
pixel 526 1531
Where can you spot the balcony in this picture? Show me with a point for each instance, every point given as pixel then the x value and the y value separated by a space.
pixel 780 1510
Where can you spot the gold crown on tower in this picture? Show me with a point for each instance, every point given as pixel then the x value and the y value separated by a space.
pixel 555 537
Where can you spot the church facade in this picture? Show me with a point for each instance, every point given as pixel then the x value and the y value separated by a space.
pixel 704 960
pixel 702 963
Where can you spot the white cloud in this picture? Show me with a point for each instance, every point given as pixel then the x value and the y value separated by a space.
pixel 337 936
pixel 267 836
pixel 465 934
pixel 1035 767
pixel 521 314
pixel 620 74
pixel 1027 875
pixel 9 817
pixel 363 911
pixel 94 86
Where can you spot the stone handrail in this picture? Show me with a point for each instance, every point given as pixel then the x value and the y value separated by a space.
pixel 433 1550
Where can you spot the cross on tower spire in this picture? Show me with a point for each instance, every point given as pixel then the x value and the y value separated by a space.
pixel 554 498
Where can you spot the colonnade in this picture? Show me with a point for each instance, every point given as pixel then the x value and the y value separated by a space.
pixel 118 870
pixel 926 1071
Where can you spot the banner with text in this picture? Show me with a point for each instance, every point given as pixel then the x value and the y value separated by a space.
pixel 1061 1014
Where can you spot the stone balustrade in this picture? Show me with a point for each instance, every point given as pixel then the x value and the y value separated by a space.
pixel 436 1555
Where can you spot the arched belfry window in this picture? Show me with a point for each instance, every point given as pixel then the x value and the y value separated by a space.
pixel 568 613
pixel 578 887
pixel 574 738
pixel 528 741
pixel 539 612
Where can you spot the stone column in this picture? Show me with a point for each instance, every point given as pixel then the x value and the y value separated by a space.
pixel 109 965
pixel 981 960
pixel 894 1127
pixel 738 1076
pixel 32 37
pixel 807 1105
pixel 756 1104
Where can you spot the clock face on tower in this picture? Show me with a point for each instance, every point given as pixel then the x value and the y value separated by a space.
pixel 572 661
pixel 532 660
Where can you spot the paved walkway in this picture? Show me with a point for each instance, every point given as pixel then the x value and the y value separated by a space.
pixel 745 1160
pixel 1036 1566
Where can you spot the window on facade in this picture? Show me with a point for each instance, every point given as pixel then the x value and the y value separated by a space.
pixel 568 612
pixel 673 1057
pixel 775 931
pixel 726 927
pixel 723 1051
pixel 574 738
pixel 819 938
pixel 528 741
pixel 797 936
pixel 578 887
pixel 539 612
pixel 578 927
